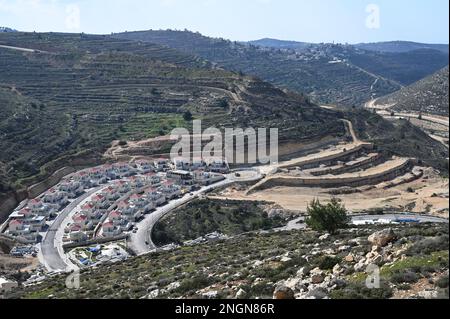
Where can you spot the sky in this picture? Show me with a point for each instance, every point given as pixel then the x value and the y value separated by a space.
pixel 344 21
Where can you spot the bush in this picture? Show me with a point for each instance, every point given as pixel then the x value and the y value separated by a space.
pixel 187 116
pixel 442 282
pixel 328 262
pixel 360 291
pixel 405 277
pixel 330 217
pixel 429 245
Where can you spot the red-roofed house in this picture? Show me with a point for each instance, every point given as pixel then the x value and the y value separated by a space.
pixel 83 221
pixel 110 230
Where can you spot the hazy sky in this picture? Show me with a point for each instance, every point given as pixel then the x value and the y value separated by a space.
pixel 350 21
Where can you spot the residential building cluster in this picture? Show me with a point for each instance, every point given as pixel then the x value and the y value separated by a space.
pixel 131 191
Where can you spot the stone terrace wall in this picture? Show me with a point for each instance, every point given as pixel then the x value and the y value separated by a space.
pixel 333 182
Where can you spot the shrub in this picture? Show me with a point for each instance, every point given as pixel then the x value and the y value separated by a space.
pixel 442 282
pixel 328 262
pixel 429 245
pixel 405 277
pixel 330 217
pixel 360 291
pixel 187 116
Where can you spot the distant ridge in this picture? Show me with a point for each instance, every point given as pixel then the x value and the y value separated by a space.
pixel 6 29
pixel 280 44
pixel 401 46
pixel 386 47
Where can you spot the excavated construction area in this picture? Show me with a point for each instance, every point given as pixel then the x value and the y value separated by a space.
pixel 362 178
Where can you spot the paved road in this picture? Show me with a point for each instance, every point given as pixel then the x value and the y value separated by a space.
pixel 141 241
pixel 51 247
pixel 21 49
pixel 296 224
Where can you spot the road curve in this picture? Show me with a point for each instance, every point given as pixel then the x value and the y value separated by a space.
pixel 51 246
pixel 141 241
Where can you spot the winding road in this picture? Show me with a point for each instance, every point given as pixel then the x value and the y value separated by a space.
pixel 52 253
pixel 141 242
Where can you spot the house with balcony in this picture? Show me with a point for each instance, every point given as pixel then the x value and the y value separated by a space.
pixel 110 230
pixel 129 211
pixel 170 190
pixel 187 164
pixel 97 176
pixel 123 169
pixel 122 187
pixel 36 223
pixel 152 179
pixel 72 188
pixel 99 201
pixel 22 232
pixel 110 193
pixel 217 165
pixel 55 197
pixel 23 214
pixel 116 218
pixel 144 166
pixel 76 233
pixel 136 182
pixel 162 164
pixel 82 177
pixel 109 171
pixel 83 221
pixel 154 196
pixel 38 207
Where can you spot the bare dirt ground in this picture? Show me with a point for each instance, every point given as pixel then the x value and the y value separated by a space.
pixel 428 194
pixel 14 264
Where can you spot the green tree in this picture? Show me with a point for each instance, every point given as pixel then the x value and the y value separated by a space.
pixel 329 217
pixel 187 116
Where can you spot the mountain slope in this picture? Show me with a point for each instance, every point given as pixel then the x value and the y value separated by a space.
pixel 78 93
pixel 401 46
pixel 429 95
pixel 281 44
pixel 389 46
pixel 330 74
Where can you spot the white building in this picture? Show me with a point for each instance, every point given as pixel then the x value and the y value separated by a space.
pixel 162 164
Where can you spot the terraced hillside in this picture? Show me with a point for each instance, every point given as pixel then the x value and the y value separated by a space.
pixel 330 74
pixel 401 46
pixel 67 94
pixel 429 96
pixel 390 46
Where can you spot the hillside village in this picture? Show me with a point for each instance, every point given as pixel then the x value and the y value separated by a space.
pixel 125 193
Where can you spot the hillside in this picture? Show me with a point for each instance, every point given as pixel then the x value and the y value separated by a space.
pixel 329 73
pixel 75 93
pixel 401 46
pixel 389 46
pixel 304 264
pixel 281 44
pixel 429 95
pixel 6 29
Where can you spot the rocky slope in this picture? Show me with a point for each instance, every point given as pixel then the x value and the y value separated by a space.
pixel 429 95
pixel 413 263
